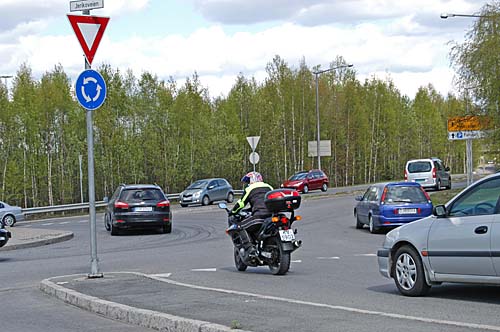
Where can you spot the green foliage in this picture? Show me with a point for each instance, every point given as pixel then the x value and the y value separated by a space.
pixel 152 131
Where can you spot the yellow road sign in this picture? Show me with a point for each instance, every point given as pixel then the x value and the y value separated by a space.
pixel 468 123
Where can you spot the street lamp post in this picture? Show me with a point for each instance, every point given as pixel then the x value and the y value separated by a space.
pixel 6 77
pixel 317 73
pixel 468 147
pixel 446 15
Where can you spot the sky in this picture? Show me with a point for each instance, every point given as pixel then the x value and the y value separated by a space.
pixel 402 40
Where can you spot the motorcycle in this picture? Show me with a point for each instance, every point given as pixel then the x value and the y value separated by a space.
pixel 272 237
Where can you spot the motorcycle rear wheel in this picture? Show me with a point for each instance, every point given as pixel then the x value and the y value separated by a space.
pixel 280 261
pixel 238 262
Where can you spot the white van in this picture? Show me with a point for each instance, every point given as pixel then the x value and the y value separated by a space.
pixel 430 173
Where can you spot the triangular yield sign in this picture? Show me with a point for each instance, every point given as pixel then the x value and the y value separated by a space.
pixel 89 31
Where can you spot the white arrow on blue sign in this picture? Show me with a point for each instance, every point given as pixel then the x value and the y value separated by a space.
pixel 90 89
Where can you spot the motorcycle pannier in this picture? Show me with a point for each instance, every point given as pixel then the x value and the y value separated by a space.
pixel 282 200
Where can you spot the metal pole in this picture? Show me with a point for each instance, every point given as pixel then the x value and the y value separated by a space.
pixel 94 260
pixel 81 177
pixel 317 120
pixel 469 162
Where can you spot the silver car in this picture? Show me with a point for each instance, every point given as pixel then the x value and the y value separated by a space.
pixel 429 173
pixel 206 191
pixel 459 243
pixel 9 215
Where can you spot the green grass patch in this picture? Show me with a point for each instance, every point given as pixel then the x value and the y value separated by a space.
pixel 443 196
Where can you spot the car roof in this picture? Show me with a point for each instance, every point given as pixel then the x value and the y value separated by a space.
pixel 140 186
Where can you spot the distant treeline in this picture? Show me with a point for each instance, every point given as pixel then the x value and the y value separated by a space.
pixel 153 131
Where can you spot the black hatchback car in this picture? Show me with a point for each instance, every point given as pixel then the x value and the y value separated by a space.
pixel 137 206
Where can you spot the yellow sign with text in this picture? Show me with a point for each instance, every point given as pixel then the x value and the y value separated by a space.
pixel 468 123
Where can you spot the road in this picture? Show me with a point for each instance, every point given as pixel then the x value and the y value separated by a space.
pixel 334 275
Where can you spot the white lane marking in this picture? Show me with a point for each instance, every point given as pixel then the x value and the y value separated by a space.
pixel 83 221
pixel 297 261
pixel 64 223
pixel 62 282
pixel 335 307
pixel 161 275
pixel 366 255
pixel 333 257
pixel 205 270
pixel 48 224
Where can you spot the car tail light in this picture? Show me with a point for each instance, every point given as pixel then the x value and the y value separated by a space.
pixel 383 195
pixel 119 220
pixel 163 204
pixel 121 205
pixel 433 172
pixel 396 211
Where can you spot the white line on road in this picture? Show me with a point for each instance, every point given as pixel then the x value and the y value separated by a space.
pixel 205 270
pixel 297 261
pixel 48 224
pixel 335 307
pixel 64 223
pixel 83 221
pixel 334 257
pixel 161 275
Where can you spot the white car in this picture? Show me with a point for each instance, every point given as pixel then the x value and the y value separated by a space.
pixel 459 243
pixel 429 173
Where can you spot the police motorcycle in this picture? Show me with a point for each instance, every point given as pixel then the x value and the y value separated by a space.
pixel 273 237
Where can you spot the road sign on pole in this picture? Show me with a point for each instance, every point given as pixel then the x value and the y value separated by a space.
pixel 253 141
pixel 254 158
pixel 89 31
pixel 84 5
pixel 90 89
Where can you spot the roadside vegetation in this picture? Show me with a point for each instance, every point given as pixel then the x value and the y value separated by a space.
pixel 155 131
pixel 443 196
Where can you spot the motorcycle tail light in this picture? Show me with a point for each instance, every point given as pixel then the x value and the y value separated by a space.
pixel 284 220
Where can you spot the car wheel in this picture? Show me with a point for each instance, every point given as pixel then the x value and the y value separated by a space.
pixel 114 229
pixel 167 229
pixel 438 185
pixel 305 190
pixel 106 222
pixel 359 224
pixel 230 198
pixel 449 184
pixel 9 220
pixel 373 229
pixel 408 272
pixel 324 187
pixel 183 205
pixel 205 200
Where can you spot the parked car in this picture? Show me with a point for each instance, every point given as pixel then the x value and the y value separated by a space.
pixel 137 206
pixel 4 236
pixel 207 191
pixel 391 205
pixel 304 181
pixel 429 173
pixel 9 214
pixel 459 243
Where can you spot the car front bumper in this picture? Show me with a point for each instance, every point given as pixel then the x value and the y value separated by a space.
pixel 383 256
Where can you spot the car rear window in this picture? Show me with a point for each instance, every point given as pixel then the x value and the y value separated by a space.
pixel 419 166
pixel 404 194
pixel 141 195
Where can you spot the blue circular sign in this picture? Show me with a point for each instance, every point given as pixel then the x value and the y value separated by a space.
pixel 90 89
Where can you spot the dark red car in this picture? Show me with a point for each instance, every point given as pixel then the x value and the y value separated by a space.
pixel 304 181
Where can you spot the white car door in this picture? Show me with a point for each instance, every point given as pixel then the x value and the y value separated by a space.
pixel 460 244
pixel 495 240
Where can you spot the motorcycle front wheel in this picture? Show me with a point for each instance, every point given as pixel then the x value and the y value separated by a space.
pixel 238 262
pixel 280 259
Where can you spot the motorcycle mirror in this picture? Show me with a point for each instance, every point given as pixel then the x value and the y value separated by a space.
pixel 222 206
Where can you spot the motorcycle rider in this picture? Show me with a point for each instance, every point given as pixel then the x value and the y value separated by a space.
pixel 254 195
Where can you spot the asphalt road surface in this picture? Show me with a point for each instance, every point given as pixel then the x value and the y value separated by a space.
pixel 334 274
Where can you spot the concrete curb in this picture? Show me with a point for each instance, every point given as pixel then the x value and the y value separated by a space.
pixel 135 316
pixel 38 243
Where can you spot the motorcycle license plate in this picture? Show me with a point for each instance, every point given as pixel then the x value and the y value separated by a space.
pixel 287 235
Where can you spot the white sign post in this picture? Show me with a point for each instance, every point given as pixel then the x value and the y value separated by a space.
pixel 254 156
